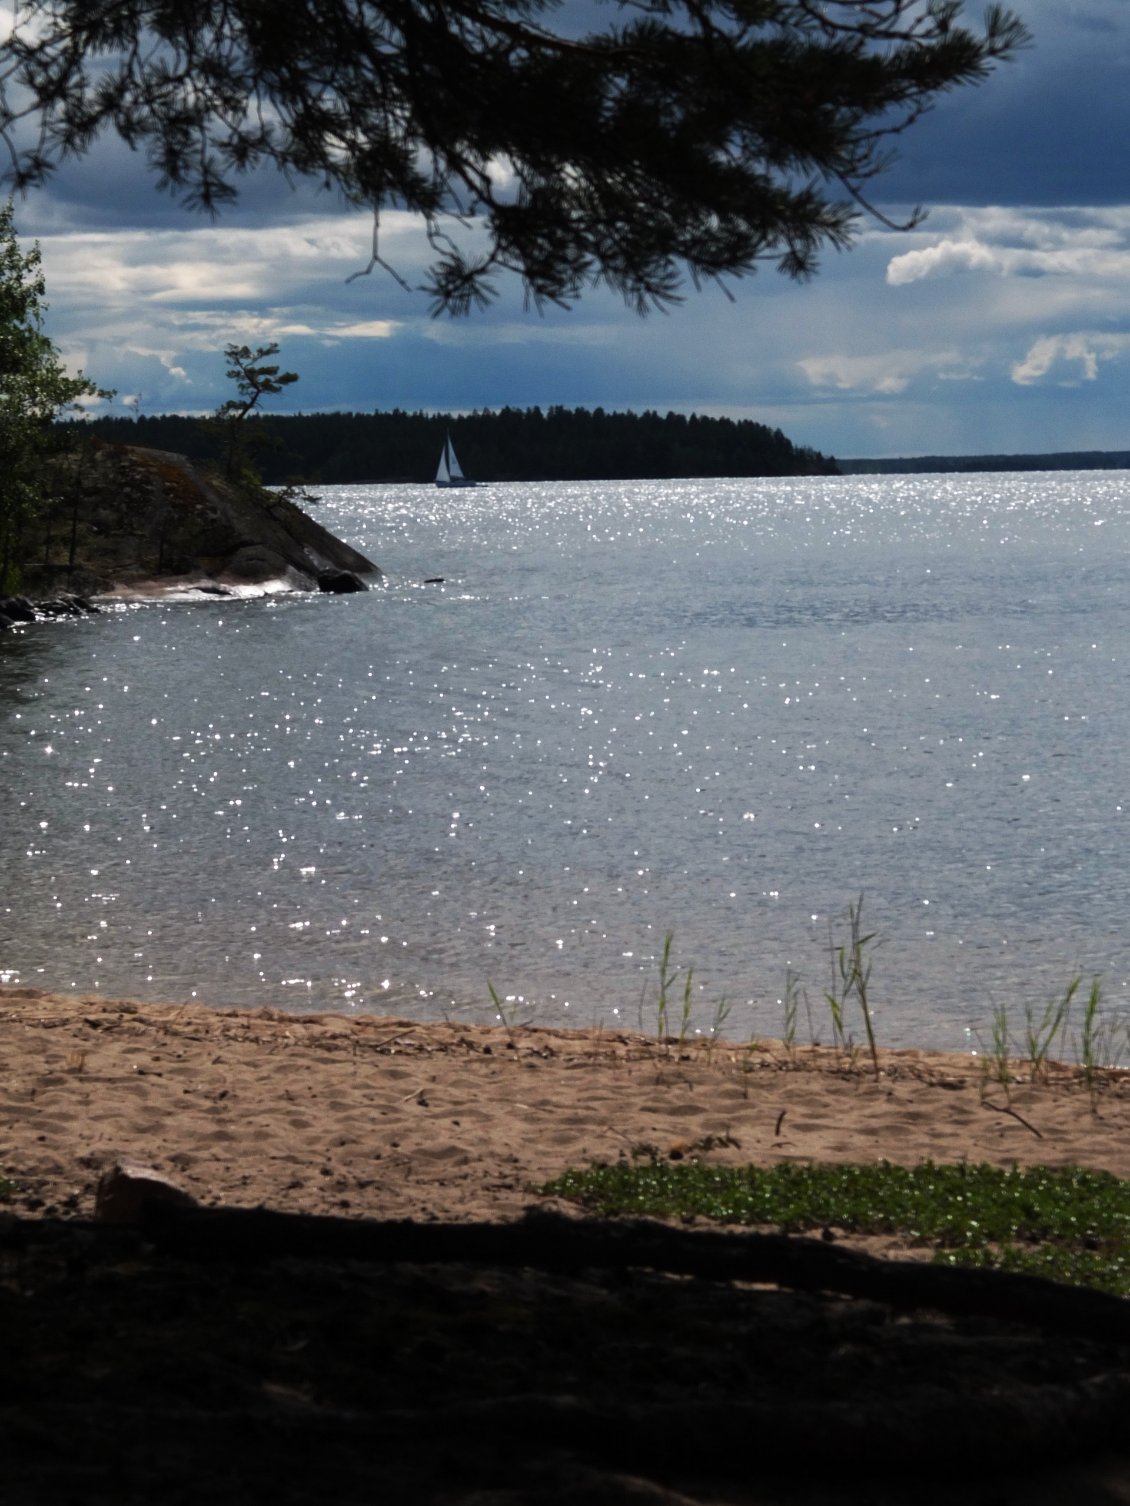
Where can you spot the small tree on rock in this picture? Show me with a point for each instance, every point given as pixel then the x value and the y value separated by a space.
pixel 34 390
pixel 254 379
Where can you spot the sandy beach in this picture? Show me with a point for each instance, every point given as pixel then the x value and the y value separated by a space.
pixel 380 1118
pixel 236 1375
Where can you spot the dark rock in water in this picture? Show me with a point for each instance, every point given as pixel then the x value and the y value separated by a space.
pixel 17 608
pixel 340 582
pixel 65 606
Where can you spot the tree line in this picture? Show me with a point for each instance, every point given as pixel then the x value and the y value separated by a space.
pixel 529 444
pixel 1059 460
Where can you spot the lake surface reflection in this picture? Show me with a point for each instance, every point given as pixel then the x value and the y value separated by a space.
pixel 717 709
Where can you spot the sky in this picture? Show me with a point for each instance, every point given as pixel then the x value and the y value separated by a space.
pixel 999 325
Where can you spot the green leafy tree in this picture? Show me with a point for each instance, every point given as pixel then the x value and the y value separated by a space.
pixel 685 137
pixel 34 390
pixel 255 378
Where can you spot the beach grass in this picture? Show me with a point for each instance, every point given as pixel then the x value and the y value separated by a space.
pixel 1070 1225
pixel 851 979
pixel 1006 1049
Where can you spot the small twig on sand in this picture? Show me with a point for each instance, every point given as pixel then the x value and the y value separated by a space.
pixel 1003 1108
pixel 401 1035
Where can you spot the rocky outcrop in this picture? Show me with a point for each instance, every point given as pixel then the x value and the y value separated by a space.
pixel 15 609
pixel 131 517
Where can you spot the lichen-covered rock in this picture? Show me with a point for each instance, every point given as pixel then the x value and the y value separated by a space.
pixel 137 515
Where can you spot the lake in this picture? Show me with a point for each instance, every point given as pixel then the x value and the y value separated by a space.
pixel 715 710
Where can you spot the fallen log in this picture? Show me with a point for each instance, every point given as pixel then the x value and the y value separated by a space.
pixel 554 1242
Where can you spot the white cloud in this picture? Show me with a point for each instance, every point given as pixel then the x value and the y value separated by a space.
pixel 948 257
pixel 1009 243
pixel 885 373
pixel 369 329
pixel 215 264
pixel 1086 350
pixel 936 261
pixel 167 358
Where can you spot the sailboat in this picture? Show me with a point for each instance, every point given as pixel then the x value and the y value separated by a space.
pixel 449 471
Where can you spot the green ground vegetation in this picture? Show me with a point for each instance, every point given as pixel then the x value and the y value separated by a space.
pixel 1069 1225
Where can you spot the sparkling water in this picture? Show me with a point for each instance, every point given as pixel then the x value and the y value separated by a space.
pixel 719 710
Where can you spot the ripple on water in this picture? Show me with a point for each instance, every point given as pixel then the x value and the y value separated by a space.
pixel 717 709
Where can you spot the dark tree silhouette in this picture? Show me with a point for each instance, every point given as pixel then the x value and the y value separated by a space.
pixel 34 391
pixel 686 137
pixel 255 378
pixel 560 444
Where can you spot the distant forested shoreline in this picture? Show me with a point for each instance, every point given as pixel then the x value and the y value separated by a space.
pixel 559 444
pixel 1062 460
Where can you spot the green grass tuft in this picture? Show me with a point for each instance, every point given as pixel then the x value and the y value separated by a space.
pixel 1068 1224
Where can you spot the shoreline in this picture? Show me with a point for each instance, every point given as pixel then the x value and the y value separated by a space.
pixel 471 1381
pixel 377 1117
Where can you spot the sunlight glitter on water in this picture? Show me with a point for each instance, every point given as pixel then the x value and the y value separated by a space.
pixel 718 709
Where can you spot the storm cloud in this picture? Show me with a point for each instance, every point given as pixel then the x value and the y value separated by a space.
pixel 1001 323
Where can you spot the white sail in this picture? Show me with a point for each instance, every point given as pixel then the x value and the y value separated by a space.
pixel 449 472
